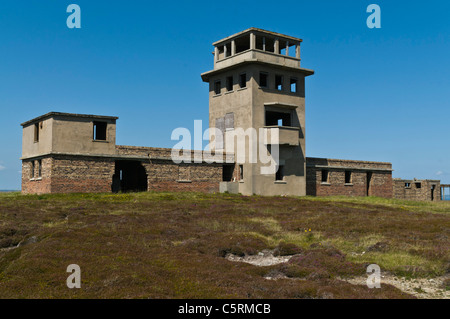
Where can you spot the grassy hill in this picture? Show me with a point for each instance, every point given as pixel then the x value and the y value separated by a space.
pixel 173 245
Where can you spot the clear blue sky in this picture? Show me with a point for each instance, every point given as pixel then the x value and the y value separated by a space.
pixel 376 95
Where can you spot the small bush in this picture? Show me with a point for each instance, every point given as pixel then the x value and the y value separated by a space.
pixel 287 249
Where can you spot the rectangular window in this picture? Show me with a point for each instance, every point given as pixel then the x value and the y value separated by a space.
pixel 407 185
pixel 241 172
pixel 278 118
pixel 348 177
pixel 229 83
pixel 100 131
pixel 32 169
pixel 325 175
pixel 229 121
pixel 263 79
pixel 243 80
pixel 279 176
pixel 279 82
pixel 39 168
pixel 293 84
pixel 217 87
pixel 36 132
pixel 227 173
pixel 418 185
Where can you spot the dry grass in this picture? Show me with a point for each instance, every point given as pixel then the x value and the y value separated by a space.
pixel 171 245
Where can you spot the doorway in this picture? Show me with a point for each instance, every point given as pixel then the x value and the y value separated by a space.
pixel 368 184
pixel 433 187
pixel 129 176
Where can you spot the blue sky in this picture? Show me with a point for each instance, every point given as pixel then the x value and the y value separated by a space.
pixel 378 94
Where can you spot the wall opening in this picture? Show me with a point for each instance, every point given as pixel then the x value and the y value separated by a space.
pixel 129 176
pixel 36 132
pixel 369 183
pixel 229 83
pixel 100 131
pixel 241 172
pixel 217 87
pixel 325 176
pixel 39 168
pixel 348 177
pixel 418 185
pixel 293 85
pixel 274 118
pixel 242 80
pixel 242 43
pixel 433 187
pixel 279 82
pixel 279 175
pixel 227 173
pixel 263 76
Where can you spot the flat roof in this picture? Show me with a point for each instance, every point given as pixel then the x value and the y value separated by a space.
pixel 275 34
pixel 53 114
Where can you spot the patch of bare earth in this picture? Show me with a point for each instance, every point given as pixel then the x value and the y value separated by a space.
pixel 422 288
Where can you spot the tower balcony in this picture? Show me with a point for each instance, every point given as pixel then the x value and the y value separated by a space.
pixel 281 135
pixel 257 45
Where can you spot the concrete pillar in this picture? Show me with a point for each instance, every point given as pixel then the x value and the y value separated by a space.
pixel 264 43
pixel 297 51
pixel 233 47
pixel 287 48
pixel 277 46
pixel 252 41
pixel 225 51
pixel 216 54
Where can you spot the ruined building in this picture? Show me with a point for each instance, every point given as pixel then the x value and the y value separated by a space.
pixel 257 82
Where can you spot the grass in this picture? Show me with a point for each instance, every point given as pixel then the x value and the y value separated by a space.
pixel 171 245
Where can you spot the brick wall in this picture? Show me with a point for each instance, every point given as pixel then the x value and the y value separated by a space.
pixel 380 181
pixel 32 183
pixel 412 192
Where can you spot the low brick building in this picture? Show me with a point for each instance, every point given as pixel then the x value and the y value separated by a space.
pixel 423 190
pixel 328 177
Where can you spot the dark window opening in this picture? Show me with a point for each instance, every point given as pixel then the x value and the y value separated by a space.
pixel 217 87
pixel 325 175
pixel 263 79
pixel 129 176
pixel 227 173
pixel 433 187
pixel 278 118
pixel 293 84
pixel 279 176
pixel 100 131
pixel 33 167
pixel 369 184
pixel 228 50
pixel 418 185
pixel 229 83
pixel 39 168
pixel 242 43
pixel 279 82
pixel 348 177
pixel 407 185
pixel 243 80
pixel 241 172
pixel 36 132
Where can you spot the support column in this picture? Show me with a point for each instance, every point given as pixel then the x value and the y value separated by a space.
pixel 216 55
pixel 277 46
pixel 264 43
pixel 297 51
pixel 252 41
pixel 233 47
pixel 287 48
pixel 225 51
